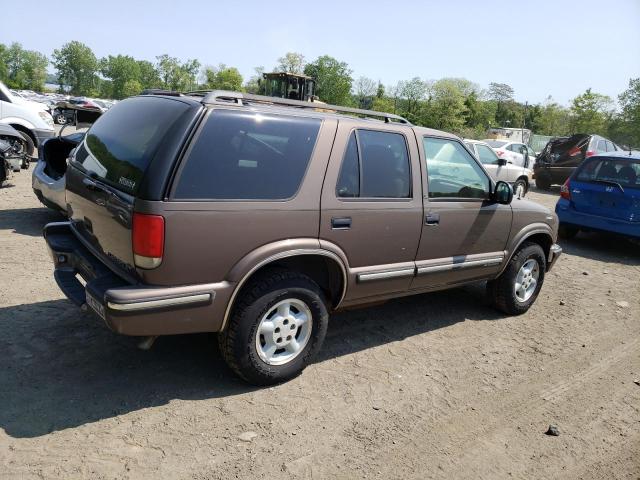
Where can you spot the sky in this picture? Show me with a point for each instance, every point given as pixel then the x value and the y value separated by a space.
pixel 540 48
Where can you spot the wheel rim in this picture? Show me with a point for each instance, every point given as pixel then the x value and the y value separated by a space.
pixel 527 280
pixel 284 331
pixel 61 119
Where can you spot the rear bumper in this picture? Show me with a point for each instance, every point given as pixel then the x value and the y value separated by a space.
pixel 568 215
pixel 131 309
pixel 49 191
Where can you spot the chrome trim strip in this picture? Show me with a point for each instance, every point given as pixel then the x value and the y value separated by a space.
pixel 278 256
pixel 165 302
pixel 488 262
pixel 367 277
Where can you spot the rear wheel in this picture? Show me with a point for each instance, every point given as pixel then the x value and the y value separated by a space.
pixel 276 329
pixel 515 290
pixel 543 182
pixel 567 231
pixel 60 119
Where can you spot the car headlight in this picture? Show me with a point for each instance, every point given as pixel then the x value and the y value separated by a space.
pixel 47 118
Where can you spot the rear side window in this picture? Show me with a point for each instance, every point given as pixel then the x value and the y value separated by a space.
pixel 602 146
pixel 120 145
pixel 248 156
pixel 375 165
pixel 486 155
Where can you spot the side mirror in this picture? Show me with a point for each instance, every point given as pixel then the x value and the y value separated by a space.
pixel 502 162
pixel 503 193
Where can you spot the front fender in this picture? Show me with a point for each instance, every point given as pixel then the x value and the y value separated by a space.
pixel 522 235
pixel 19 121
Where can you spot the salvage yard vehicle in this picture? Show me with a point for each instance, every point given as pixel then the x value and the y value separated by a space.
pixel 48 178
pixel 501 168
pixel 29 118
pixel 518 153
pixel 603 194
pixel 561 156
pixel 13 156
pixel 256 217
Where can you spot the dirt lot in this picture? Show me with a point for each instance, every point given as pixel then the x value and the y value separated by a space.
pixel 433 386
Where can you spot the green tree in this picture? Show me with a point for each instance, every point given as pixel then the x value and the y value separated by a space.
pixel 626 127
pixel 23 69
pixel 131 87
pixel 446 108
pixel 177 76
pixel 365 90
pixel 333 80
pixel 223 77
pixel 121 70
pixel 590 112
pixel 76 66
pixel 254 84
pixel 149 77
pixel 292 62
pixel 4 61
pixel 411 94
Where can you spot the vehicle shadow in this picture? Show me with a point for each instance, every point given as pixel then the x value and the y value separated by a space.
pixel 553 192
pixel 62 368
pixel 603 247
pixel 28 221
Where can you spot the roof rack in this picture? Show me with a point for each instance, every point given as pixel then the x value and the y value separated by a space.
pixel 225 97
pixel 160 91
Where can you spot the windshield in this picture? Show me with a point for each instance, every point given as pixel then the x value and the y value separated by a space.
pixel 495 143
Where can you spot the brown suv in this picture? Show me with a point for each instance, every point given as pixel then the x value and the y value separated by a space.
pixel 256 217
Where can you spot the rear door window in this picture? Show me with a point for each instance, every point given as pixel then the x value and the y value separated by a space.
pixel 248 156
pixel 120 145
pixel 375 165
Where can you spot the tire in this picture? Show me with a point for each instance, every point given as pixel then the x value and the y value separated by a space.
pixel 241 341
pixel 567 231
pixel 502 291
pixel 521 183
pixel 60 119
pixel 543 182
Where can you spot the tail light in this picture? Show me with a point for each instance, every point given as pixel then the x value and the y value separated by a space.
pixel 574 151
pixel 565 190
pixel 148 240
pixel 590 153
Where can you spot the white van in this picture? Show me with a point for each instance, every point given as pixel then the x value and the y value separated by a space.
pixel 29 118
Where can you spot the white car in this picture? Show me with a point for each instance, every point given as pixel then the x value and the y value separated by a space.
pixel 29 118
pixel 513 151
pixel 501 168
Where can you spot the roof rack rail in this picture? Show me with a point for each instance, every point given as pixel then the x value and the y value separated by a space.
pixel 160 91
pixel 225 97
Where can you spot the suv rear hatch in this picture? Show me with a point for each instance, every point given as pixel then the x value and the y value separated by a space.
pixel 562 150
pixel 608 187
pixel 107 172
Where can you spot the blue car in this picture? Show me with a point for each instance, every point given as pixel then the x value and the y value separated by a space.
pixel 603 194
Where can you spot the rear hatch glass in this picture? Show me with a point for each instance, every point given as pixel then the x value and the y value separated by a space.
pixel 608 187
pixel 109 167
pixel 560 150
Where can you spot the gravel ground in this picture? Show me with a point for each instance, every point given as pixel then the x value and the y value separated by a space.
pixel 431 386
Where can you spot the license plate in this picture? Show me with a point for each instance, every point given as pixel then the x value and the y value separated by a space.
pixel 95 305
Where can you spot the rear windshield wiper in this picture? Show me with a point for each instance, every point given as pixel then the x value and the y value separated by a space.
pixel 609 182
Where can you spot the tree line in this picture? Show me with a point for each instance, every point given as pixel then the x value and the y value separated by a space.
pixel 456 105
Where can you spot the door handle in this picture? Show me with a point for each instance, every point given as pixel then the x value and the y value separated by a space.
pixel 432 219
pixel 341 223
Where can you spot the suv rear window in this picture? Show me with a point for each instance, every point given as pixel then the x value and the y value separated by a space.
pixel 248 156
pixel 120 145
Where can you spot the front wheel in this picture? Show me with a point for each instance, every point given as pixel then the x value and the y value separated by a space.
pixel 276 329
pixel 515 290
pixel 60 119
pixel 520 188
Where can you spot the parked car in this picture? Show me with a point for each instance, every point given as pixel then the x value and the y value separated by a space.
pixel 256 217
pixel 562 155
pixel 64 111
pixel 602 194
pixel 520 154
pixel 13 152
pixel 29 118
pixel 48 178
pixel 501 168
